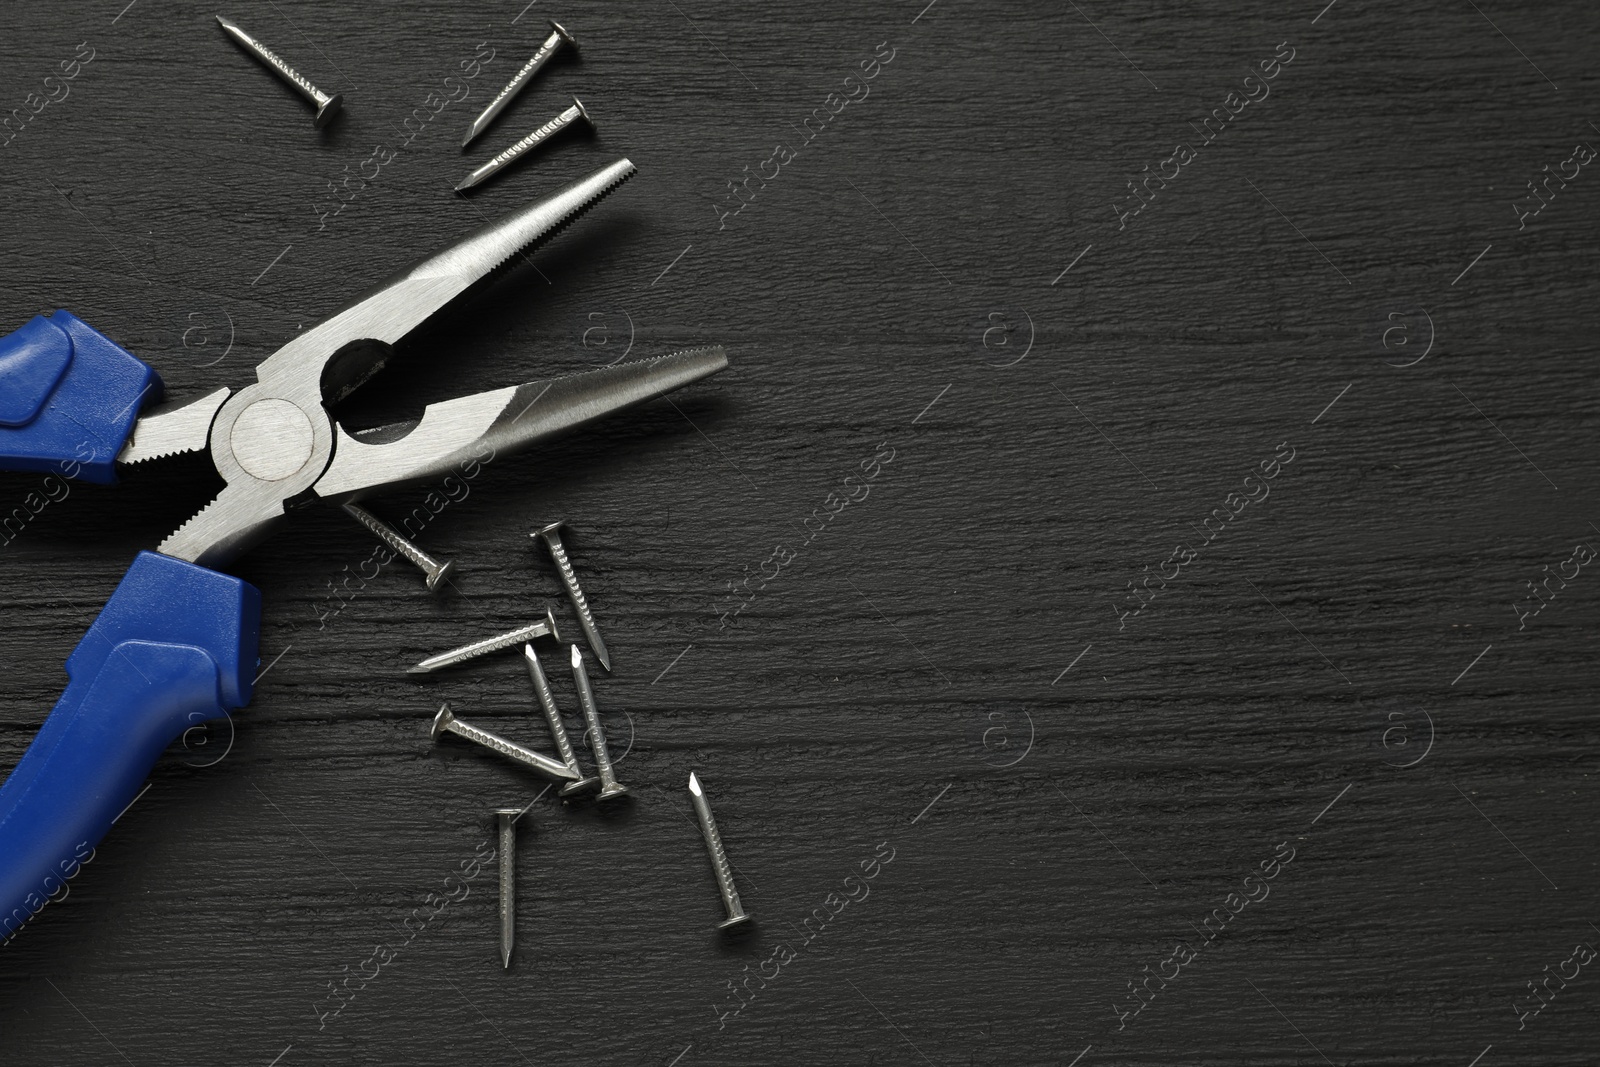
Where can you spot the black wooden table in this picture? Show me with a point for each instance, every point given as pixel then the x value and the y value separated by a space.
pixel 1129 599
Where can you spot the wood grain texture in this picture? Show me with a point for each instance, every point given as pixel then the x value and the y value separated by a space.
pixel 1065 792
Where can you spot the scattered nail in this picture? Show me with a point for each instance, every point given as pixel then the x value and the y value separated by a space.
pixel 327 106
pixel 447 723
pixel 437 573
pixel 719 857
pixel 558 552
pixel 506 820
pixel 544 628
pixel 609 786
pixel 526 145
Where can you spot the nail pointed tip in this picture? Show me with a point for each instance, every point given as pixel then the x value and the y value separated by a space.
pixel 601 654
pixel 694 785
pixel 577 656
pixel 561 773
pixel 420 668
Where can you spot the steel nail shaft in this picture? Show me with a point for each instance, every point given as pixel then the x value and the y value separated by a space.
pixel 447 723
pixel 544 628
pixel 506 818
pixel 327 106
pixel 558 729
pixel 550 47
pixel 719 857
pixel 558 552
pixel 436 572
pixel 526 145
pixel 609 786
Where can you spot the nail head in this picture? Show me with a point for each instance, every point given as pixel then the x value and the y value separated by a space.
pixel 441 576
pixel 561 31
pixel 582 785
pixel 329 111
pixel 442 721
pixel 584 112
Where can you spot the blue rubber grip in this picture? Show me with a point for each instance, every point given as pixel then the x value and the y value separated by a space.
pixel 69 396
pixel 176 645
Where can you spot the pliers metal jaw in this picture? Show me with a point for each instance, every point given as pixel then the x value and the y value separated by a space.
pixel 177 642
pixel 273 442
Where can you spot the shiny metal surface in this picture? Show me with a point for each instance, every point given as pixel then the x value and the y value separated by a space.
pixel 719 856
pixel 435 573
pixel 506 824
pixel 446 723
pixel 558 552
pixel 610 788
pixel 558 729
pixel 362 334
pixel 504 159
pixel 327 106
pixel 546 627
pixel 250 504
pixel 552 44
pixel 169 430
pixel 274 439
pixel 504 421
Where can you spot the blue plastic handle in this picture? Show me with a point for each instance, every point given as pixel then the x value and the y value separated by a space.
pixel 176 645
pixel 69 396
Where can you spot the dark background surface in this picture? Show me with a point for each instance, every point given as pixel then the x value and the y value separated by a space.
pixel 1065 793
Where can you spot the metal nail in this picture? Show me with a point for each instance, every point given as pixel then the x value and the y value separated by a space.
pixel 437 573
pixel 558 552
pixel 558 729
pixel 327 106
pixel 544 628
pixel 446 722
pixel 527 144
pixel 609 786
pixel 507 821
pixel 550 47
pixel 719 857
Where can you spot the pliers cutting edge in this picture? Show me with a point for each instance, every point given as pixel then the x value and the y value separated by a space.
pixel 177 642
